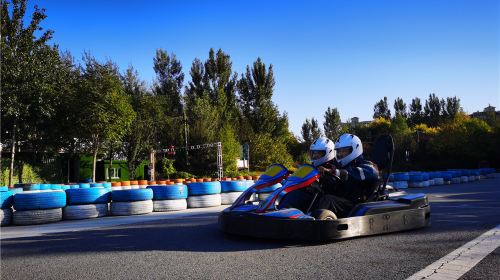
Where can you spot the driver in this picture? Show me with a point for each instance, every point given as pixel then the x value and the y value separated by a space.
pixel 345 182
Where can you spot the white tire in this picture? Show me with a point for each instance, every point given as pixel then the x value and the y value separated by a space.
pixel 5 217
pixel 131 208
pixel 230 197
pixel 464 179
pixel 169 205
pixel 416 184
pixel 116 188
pixel 134 187
pixel 201 201
pixel 85 211
pixel 35 217
pixel 126 187
pixel 438 181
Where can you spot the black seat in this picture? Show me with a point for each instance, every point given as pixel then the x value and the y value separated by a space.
pixel 382 154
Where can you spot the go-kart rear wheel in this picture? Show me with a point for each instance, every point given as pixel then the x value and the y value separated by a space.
pixel 323 214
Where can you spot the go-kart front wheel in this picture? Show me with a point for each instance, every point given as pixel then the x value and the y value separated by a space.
pixel 323 214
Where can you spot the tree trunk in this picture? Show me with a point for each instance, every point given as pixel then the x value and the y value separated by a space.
pixel 12 153
pixel 68 168
pixel 20 168
pixel 93 165
pixel 110 164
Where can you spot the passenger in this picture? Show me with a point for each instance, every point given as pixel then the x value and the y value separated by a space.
pixel 345 181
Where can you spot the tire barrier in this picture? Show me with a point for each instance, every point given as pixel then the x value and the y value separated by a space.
pixel 95 195
pixel 400 184
pixel 4 188
pixel 204 188
pixel 84 185
pixel 36 217
pixel 85 211
pixel 39 200
pixel 235 186
pixel 269 189
pixel 416 180
pixel 5 217
pixel 127 208
pixel 263 196
pixel 229 198
pixel 169 205
pixel 201 201
pixel 6 199
pixel 169 192
pixel 132 195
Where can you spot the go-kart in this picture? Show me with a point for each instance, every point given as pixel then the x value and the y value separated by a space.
pixel 382 212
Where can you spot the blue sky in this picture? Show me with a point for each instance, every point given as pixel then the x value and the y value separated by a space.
pixel 344 54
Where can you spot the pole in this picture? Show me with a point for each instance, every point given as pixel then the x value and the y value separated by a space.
pixel 1 146
pixel 186 136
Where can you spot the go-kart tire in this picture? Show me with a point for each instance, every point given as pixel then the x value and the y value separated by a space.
pixel 4 188
pixel 127 208
pixel 132 195
pixel 323 214
pixel 119 188
pixel 229 198
pixel 204 188
pixel 235 186
pixel 5 217
pixel 169 192
pixel 85 211
pixel 95 195
pixel 169 205
pixel 39 200
pixel 36 217
pixel 6 199
pixel 201 201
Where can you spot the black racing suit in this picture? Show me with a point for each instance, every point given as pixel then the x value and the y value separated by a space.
pixel 358 180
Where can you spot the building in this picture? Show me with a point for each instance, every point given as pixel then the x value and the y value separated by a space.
pixel 487 113
pixel 355 122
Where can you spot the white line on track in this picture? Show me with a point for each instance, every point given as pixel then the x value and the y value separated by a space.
pixel 463 259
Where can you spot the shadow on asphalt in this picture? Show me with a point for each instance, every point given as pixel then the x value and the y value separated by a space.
pixel 192 234
pixel 201 233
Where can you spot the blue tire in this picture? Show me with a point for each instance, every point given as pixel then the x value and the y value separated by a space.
pixel 34 187
pixel 4 188
pixel 416 178
pixel 235 186
pixel 88 196
pixel 161 192
pixel 84 186
pixel 39 200
pixel 401 176
pixel 204 188
pixel 6 199
pixel 106 185
pixel 16 190
pixel 269 189
pixel 132 195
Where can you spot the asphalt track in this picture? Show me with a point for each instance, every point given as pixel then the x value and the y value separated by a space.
pixel 190 246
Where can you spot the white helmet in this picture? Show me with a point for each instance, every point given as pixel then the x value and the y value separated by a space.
pixel 322 150
pixel 348 141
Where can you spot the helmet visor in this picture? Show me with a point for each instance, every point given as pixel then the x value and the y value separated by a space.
pixel 343 152
pixel 316 154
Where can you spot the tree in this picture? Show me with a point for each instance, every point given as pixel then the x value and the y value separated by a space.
pixel 33 79
pixel 103 110
pixel 381 109
pixel 332 125
pixel 310 131
pixel 255 98
pixel 432 110
pixel 169 81
pixel 451 107
pixel 416 115
pixel 400 108
pixel 265 151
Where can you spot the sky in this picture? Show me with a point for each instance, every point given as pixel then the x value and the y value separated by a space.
pixel 346 54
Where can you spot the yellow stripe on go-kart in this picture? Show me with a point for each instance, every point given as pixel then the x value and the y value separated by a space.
pixel 302 171
pixel 273 170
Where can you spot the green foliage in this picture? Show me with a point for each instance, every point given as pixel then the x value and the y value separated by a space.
pixel 310 131
pixel 230 150
pixel 381 109
pixel 416 114
pixel 169 80
pixel 265 151
pixel 167 167
pixel 332 124
pixel 399 108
